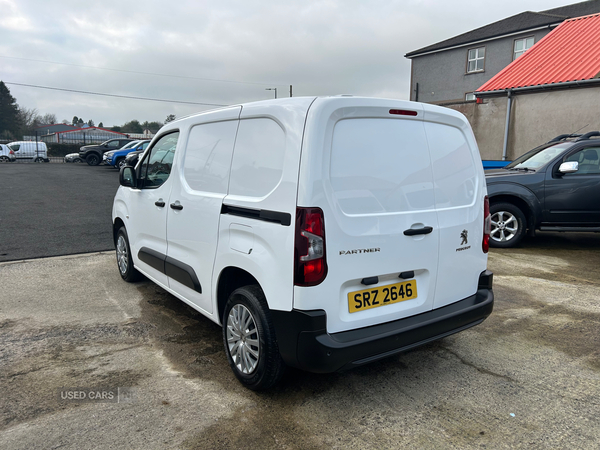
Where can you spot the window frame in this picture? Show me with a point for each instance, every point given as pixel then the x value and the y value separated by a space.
pixel 476 59
pixel 523 51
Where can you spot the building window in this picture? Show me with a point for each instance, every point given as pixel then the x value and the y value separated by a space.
pixel 521 46
pixel 475 60
pixel 470 97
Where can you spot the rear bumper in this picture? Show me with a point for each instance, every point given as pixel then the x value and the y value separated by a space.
pixel 305 344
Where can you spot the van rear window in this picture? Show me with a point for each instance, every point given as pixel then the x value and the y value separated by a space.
pixel 381 166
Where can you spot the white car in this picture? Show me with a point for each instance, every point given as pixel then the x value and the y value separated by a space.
pixel 73 158
pixel 6 154
pixel 321 233
pixel 30 150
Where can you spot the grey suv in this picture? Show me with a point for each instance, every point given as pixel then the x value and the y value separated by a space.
pixel 554 187
pixel 92 154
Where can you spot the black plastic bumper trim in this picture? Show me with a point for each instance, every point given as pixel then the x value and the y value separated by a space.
pixel 305 343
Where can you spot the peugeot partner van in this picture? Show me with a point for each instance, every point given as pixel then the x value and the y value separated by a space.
pixel 35 151
pixel 321 233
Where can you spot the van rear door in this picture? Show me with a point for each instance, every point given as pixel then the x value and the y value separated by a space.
pixel 459 194
pixel 374 183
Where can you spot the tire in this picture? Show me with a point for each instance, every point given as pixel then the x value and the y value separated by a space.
pixel 124 261
pixel 93 159
pixel 508 225
pixel 256 361
pixel 4 159
pixel 120 163
pixel 78 160
pixel 39 160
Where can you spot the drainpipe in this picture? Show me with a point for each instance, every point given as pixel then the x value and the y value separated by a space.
pixel 508 108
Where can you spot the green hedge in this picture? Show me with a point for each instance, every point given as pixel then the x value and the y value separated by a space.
pixel 62 149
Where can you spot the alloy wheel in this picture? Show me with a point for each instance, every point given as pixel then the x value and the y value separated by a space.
pixel 122 254
pixel 505 226
pixel 243 339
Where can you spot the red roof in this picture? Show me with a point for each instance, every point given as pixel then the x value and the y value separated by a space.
pixel 570 52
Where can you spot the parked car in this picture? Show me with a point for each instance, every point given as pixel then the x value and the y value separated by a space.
pixel 321 233
pixel 6 154
pixel 132 158
pixel 92 154
pixel 554 187
pixel 73 158
pixel 116 158
pixel 35 151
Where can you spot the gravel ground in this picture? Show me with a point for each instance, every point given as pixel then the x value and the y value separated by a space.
pixel 527 377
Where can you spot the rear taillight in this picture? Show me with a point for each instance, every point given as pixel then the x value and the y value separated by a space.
pixel 310 266
pixel 11 152
pixel 487 225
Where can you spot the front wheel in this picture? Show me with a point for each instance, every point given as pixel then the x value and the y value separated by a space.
pixel 124 261
pixel 39 160
pixel 249 338
pixel 508 225
pixel 93 159
pixel 120 163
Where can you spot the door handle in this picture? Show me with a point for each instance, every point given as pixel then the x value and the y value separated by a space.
pixel 159 203
pixel 417 231
pixel 176 206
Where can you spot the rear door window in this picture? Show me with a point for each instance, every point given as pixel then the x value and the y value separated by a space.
pixel 381 166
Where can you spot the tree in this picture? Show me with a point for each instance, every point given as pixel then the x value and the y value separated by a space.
pixel 75 120
pixel 91 123
pixel 101 125
pixel 80 122
pixel 9 112
pixel 133 126
pixel 48 119
pixel 116 128
pixel 170 118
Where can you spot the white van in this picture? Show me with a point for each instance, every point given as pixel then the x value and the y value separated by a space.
pixel 36 151
pixel 321 233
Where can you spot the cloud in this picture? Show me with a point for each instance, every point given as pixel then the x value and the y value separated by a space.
pixel 320 47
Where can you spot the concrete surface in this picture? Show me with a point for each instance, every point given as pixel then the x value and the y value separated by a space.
pixel 528 377
pixel 55 209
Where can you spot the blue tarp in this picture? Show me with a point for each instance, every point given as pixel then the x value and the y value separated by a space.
pixel 490 164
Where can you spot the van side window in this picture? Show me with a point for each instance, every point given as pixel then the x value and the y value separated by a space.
pixel 208 156
pixel 15 147
pixel 156 168
pixel 257 164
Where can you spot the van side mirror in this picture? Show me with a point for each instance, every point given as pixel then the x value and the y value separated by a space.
pixel 127 177
pixel 568 167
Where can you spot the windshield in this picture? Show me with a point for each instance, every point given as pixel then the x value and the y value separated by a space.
pixel 537 157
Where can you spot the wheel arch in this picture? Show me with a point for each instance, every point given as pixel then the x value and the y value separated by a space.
pixel 530 206
pixel 230 279
pixel 118 223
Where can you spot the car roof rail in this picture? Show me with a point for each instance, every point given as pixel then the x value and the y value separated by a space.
pixel 588 135
pixel 562 137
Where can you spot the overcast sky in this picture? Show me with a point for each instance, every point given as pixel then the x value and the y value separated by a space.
pixel 323 47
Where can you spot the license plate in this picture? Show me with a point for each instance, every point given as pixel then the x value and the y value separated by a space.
pixel 382 295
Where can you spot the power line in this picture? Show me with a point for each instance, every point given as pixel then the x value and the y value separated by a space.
pixel 112 95
pixel 138 72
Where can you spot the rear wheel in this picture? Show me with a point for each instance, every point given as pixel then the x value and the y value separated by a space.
pixel 508 225
pixel 93 159
pixel 249 338
pixel 38 160
pixel 124 261
pixel 4 159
